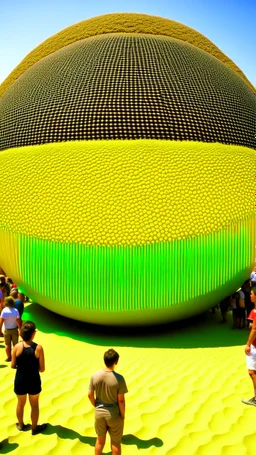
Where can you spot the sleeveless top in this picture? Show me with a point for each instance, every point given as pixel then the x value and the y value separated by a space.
pixel 27 363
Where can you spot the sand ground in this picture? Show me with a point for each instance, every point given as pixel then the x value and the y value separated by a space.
pixel 185 388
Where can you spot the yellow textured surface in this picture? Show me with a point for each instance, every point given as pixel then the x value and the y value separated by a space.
pixel 118 23
pixel 126 192
pixel 180 401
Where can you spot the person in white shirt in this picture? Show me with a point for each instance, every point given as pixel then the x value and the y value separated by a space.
pixel 11 319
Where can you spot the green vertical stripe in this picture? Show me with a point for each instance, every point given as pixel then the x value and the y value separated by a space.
pixel 120 278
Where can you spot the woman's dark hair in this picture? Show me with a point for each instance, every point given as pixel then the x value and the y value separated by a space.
pixel 27 330
pixel 110 357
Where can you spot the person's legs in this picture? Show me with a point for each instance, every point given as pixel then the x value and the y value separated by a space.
pixel 240 318
pixel 33 400
pixel 99 446
pixel 10 336
pixel 101 429
pixel 223 312
pixel 252 374
pixel 116 428
pixel 243 319
pixel 8 351
pixel 20 410
pixel 116 448
pixel 15 337
pixel 234 317
pixel 251 365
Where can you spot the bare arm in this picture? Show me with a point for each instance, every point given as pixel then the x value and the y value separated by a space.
pixel 121 404
pixel 18 322
pixel 91 397
pixel 40 351
pixel 251 338
pixel 13 364
pixel 1 324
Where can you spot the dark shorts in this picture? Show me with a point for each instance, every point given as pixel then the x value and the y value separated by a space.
pixel 24 385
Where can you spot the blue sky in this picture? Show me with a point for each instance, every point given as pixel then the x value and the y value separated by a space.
pixel 230 24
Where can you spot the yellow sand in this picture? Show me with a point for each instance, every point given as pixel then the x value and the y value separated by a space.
pixel 180 401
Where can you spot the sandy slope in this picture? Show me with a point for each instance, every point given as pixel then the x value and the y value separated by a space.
pixel 180 401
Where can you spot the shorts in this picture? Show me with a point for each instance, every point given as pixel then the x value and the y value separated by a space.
pixel 26 385
pixel 105 423
pixel 251 359
pixel 11 336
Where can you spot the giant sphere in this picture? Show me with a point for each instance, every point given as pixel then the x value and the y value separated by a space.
pixel 128 151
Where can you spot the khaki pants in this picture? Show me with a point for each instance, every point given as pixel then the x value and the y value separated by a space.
pixel 104 423
pixel 11 336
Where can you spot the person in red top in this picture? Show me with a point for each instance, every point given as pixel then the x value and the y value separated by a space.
pixel 251 317
pixel 250 349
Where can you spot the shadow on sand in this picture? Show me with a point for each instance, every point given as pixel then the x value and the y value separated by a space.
pixel 203 331
pixel 128 439
pixel 7 447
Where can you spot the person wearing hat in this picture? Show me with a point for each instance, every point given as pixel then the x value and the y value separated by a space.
pixel 11 319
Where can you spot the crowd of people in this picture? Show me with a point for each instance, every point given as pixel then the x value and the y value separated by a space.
pixel 107 388
pixel 26 356
pixel 240 304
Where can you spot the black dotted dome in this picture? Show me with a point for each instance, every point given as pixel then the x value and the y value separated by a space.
pixel 128 87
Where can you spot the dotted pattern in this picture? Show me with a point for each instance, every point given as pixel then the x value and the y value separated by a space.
pixel 128 87
pixel 126 192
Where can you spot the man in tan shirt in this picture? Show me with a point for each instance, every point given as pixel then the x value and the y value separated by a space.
pixel 106 393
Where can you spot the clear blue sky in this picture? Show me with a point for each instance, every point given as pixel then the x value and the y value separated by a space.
pixel 230 24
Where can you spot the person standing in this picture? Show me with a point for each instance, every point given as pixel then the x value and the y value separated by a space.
pixel 249 306
pixel 5 290
pixel 11 284
pixel 28 359
pixel 234 307
pixel 11 319
pixel 241 309
pixel 106 393
pixel 250 351
pixel 5 287
pixel 1 307
pixel 19 301
pixel 224 306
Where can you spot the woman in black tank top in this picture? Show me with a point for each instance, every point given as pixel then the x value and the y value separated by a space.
pixel 28 359
pixel 27 379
